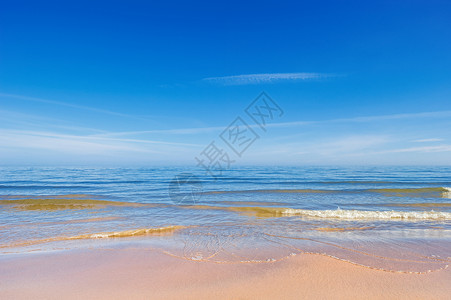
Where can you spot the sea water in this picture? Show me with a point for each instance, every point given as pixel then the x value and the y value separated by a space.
pixel 391 218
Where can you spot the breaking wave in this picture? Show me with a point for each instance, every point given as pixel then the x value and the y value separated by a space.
pixel 168 230
pixel 268 212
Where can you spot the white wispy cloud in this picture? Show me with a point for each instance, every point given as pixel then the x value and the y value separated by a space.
pixel 60 103
pixel 265 78
pixel 26 120
pixel 365 119
pixel 344 145
pixel 362 119
pixel 428 140
pixel 440 148
pixel 179 131
pixel 351 144
pixel 79 144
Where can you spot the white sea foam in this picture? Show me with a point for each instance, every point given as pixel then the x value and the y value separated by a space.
pixel 369 215
pixel 446 193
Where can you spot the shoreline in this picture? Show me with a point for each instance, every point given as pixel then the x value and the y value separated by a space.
pixel 136 273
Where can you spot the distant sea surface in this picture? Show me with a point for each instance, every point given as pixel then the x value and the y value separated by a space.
pixel 391 218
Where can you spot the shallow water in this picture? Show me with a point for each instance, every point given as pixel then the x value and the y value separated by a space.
pixel 390 218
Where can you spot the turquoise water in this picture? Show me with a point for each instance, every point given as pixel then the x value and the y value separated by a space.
pixel 392 218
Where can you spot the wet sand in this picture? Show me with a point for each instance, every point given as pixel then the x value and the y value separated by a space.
pixel 136 273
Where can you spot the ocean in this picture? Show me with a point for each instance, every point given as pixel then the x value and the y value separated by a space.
pixel 391 218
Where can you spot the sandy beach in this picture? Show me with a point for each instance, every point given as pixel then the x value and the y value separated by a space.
pixel 131 273
pixel 225 150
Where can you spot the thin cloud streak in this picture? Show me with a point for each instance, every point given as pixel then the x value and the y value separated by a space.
pixel 199 130
pixel 428 140
pixel 436 114
pixel 29 147
pixel 59 103
pixel 440 148
pixel 181 131
pixel 33 121
pixel 56 135
pixel 265 78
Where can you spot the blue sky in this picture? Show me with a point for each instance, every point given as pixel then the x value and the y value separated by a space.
pixel 139 83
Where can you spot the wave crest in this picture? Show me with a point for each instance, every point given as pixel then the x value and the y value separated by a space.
pixel 168 230
pixel 271 212
pixel 369 215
